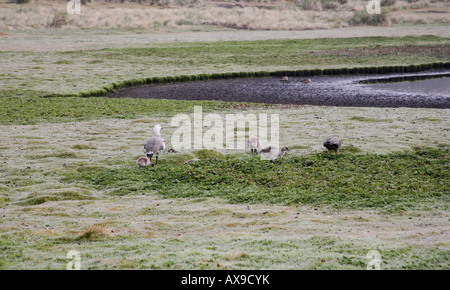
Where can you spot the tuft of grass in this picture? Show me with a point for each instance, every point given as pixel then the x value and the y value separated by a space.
pixel 385 3
pixel 365 119
pixel 428 119
pixel 17 182
pixel 176 158
pixel 392 182
pixel 208 154
pixel 236 256
pixel 63 155
pixel 298 147
pixel 364 18
pixel 64 61
pixel 89 168
pixel 93 233
pixel 83 147
pixel 4 200
pixel 350 149
pixel 38 198
pixel 311 5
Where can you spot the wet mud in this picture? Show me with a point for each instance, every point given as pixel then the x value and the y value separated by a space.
pixel 342 90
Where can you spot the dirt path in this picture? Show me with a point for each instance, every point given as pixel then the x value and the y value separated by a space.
pixel 61 40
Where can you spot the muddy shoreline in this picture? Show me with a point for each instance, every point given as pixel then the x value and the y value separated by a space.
pixel 342 90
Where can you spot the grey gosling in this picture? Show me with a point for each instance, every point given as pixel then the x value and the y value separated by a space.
pixel 273 152
pixel 144 162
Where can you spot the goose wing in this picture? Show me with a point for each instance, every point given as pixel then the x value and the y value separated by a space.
pixel 153 145
pixel 266 150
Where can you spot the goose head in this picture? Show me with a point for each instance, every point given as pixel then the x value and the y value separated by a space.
pixel 157 130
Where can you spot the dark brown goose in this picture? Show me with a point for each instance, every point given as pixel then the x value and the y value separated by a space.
pixel 332 143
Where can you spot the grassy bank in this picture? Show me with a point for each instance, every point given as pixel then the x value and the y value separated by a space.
pixel 387 182
pixel 31 110
pixel 202 216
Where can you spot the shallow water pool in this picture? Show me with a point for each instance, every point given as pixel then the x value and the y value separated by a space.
pixel 432 86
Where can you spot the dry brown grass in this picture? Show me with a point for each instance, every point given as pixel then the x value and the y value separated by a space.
pixel 236 255
pixel 300 15
pixel 426 15
pixel 93 233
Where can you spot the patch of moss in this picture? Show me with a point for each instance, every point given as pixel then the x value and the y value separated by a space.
pixel 175 158
pixel 38 198
pixel 208 154
pixel 370 120
pixel 82 147
pixel 64 155
pixel 391 182
pixel 350 148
